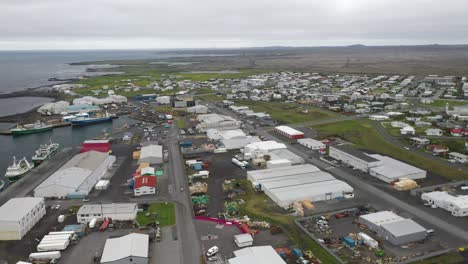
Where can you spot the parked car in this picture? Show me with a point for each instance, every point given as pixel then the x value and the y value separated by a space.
pixel 212 251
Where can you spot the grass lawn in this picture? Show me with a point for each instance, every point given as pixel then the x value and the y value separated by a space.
pixel 288 112
pixel 456 145
pixel 165 214
pixel 207 76
pixel 209 97
pixel 260 207
pixel 442 103
pixel 181 123
pixel 364 136
pixel 451 258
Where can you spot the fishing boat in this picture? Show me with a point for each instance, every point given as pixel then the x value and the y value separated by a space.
pixel 18 169
pixel 89 120
pixel 31 128
pixel 44 152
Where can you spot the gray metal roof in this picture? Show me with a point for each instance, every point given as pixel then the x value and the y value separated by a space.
pixel 355 152
pixel 88 160
pixel 283 171
pixel 113 208
pixel 16 208
pixel 403 227
pixel 131 245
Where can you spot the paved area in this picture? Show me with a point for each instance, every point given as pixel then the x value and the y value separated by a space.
pixel 166 251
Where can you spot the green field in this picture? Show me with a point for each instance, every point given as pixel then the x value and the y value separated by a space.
pixel 364 136
pixel 165 214
pixel 451 258
pixel 207 76
pixel 289 113
pixel 260 207
pixel 181 123
pixel 442 103
pixel 209 97
pixel 456 145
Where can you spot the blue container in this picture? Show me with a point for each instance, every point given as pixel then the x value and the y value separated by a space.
pixel 197 166
pixel 132 183
pixel 186 144
pixel 297 252
pixel 349 241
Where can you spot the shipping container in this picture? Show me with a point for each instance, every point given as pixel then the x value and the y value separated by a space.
pixel 48 255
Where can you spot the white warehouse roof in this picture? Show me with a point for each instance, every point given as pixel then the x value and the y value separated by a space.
pixel 289 130
pixel 265 146
pixel 383 217
pixel 392 169
pixel 257 255
pixel 131 245
pixel 16 208
pixel 257 175
pixel 151 151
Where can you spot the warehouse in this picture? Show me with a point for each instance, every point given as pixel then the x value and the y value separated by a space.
pixel 97 145
pixel 256 149
pixel 215 134
pixel 392 170
pixel 151 153
pixel 198 109
pixel 311 143
pixel 220 122
pixel 19 215
pixel 456 205
pixel 353 157
pixel 77 177
pixel 285 185
pixel 257 255
pixel 116 211
pixel 129 249
pixel 278 163
pixel 289 132
pixel 394 228
pixel 285 154
pixel 239 143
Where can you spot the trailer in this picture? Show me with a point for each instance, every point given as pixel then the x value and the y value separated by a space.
pixel 53 246
pixel 238 163
pixel 56 237
pixel 105 224
pixel 203 174
pixel 369 241
pixel 62 233
pixel 44 256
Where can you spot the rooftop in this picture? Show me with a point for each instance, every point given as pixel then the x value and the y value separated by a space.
pixel 394 169
pixel 289 130
pixel 107 208
pixel 383 217
pixel 16 208
pixel 403 227
pixel 131 245
pixel 355 152
pixel 257 255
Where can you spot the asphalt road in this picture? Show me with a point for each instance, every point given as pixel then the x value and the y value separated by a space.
pixel 191 249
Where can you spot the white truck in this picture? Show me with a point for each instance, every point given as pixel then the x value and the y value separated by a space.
pixel 238 163
pixel 44 256
pixel 204 174
pixel 92 223
pixel 60 245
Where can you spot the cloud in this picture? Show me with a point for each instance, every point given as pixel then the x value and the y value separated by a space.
pixel 57 24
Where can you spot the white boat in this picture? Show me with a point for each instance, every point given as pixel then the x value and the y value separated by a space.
pixel 18 169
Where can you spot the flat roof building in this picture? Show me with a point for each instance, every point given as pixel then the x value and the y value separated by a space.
pixel 220 122
pixel 257 255
pixel 392 170
pixel 77 177
pixel 394 228
pixel 289 132
pixel 132 248
pixel 116 211
pixel 238 143
pixel 285 185
pixel 19 215
pixel 353 157
pixel 456 205
pixel 311 143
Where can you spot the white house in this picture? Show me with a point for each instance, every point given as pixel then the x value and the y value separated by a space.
pixel 116 211
pixel 398 124
pixel 311 143
pixel 144 185
pixel 456 205
pixel 407 130
pixel 458 157
pixel 434 132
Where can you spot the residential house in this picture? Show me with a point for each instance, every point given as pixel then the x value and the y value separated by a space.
pixel 407 130
pixel 434 132
pixel 144 185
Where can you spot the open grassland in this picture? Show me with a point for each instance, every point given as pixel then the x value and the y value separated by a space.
pixel 364 136
pixel 164 213
pixel 260 207
pixel 442 103
pixel 451 258
pixel 209 97
pixel 201 76
pixel 288 113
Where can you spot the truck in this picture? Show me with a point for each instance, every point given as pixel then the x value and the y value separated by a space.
pixel 238 163
pixel 56 238
pixel 369 241
pixel 185 144
pixel 44 256
pixel 61 218
pixel 204 174
pixel 105 224
pixel 62 233
pixel 297 252
pixel 53 246
pixel 349 241
pixel 92 223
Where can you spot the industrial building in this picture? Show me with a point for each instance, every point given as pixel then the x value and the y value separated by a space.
pixel 116 211
pixel 311 143
pixel 144 185
pixel 285 154
pixel 285 185
pixel 198 109
pixel 243 240
pixel 289 132
pixel 215 134
pixel 394 228
pixel 257 255
pixel 77 177
pixel 262 148
pixel 353 157
pixel 456 205
pixel 220 122
pixel 151 153
pixel 392 170
pixel 19 215
pixel 129 249
pixel 163 99
pixel 102 145
pixel 238 143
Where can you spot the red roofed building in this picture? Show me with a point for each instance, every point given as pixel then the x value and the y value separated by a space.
pixel 97 145
pixel 459 132
pixel 144 185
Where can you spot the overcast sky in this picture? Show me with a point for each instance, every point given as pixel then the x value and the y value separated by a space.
pixel 133 24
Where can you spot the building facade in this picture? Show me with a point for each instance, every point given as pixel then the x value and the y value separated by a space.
pixel 19 215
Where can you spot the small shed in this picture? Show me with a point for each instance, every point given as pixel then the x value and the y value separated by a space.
pixel 243 240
